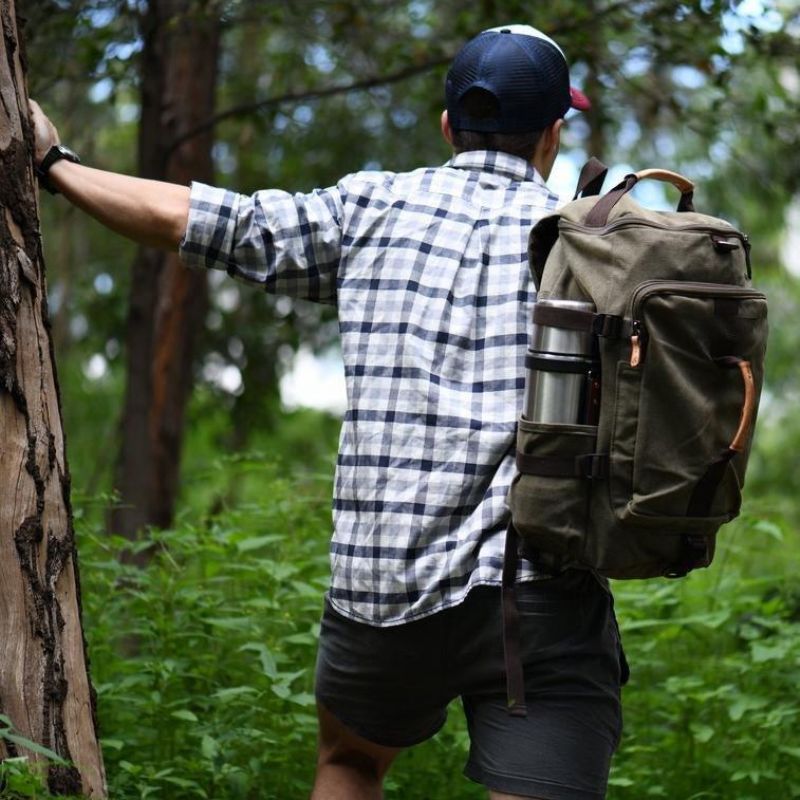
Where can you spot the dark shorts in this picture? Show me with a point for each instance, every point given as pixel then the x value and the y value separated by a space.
pixel 392 685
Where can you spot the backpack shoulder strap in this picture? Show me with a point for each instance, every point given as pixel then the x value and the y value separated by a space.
pixel 545 232
pixel 590 181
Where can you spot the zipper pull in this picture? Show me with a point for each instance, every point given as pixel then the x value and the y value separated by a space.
pixel 636 344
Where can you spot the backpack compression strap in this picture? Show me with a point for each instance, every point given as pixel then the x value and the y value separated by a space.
pixel 515 679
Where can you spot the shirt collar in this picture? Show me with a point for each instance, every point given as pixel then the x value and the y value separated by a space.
pixel 500 163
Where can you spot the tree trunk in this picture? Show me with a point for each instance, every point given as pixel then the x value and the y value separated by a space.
pixel 44 682
pixel 596 116
pixel 167 303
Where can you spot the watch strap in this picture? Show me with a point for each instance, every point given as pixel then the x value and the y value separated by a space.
pixel 56 153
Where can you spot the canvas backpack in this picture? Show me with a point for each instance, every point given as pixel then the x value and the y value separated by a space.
pixel 680 335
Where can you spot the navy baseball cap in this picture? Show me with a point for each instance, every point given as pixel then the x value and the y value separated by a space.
pixel 523 71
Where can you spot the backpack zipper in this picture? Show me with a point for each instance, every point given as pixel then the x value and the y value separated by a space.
pixel 685 288
pixel 631 221
pixel 634 222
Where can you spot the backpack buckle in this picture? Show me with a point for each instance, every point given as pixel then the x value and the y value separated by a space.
pixel 608 325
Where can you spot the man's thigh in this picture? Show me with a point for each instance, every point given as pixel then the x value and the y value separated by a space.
pixel 384 684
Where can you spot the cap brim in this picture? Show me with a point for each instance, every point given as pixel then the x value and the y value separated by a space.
pixel 578 99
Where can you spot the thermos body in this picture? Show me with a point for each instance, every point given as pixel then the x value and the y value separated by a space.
pixel 562 376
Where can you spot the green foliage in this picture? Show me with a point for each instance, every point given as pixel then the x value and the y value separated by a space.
pixel 19 776
pixel 711 710
pixel 204 661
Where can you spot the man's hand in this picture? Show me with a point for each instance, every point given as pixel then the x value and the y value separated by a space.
pixel 45 133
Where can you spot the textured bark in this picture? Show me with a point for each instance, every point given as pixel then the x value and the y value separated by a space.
pixel 167 303
pixel 44 682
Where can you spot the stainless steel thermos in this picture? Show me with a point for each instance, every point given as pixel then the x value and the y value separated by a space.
pixel 562 376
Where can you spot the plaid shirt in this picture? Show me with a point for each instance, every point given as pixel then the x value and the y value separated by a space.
pixel 428 271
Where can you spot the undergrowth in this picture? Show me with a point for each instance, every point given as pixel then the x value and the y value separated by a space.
pixel 203 661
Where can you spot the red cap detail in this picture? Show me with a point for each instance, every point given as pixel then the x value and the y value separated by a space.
pixel 579 100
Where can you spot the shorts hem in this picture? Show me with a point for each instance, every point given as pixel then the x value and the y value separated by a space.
pixel 381 739
pixel 525 787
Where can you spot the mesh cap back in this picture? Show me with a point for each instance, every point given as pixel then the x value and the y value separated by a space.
pixel 523 70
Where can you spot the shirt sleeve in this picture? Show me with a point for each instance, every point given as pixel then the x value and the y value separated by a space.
pixel 287 243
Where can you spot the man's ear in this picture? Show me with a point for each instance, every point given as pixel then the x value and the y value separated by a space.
pixel 551 139
pixel 547 148
pixel 447 131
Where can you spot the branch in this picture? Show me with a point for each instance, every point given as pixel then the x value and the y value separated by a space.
pixel 309 94
pixel 366 83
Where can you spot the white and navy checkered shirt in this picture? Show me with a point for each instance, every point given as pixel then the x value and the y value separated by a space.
pixel 428 271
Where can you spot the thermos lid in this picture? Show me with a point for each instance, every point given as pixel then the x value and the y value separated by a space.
pixel 578 305
pixel 549 338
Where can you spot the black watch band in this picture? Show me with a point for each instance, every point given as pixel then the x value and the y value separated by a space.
pixel 55 153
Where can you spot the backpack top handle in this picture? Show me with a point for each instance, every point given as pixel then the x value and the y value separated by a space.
pixel 682 184
pixel 598 216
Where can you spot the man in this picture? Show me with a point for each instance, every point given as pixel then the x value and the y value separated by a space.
pixel 429 274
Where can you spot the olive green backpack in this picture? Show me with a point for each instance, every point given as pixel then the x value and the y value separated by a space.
pixel 681 337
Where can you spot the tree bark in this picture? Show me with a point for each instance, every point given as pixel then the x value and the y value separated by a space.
pixel 167 303
pixel 44 682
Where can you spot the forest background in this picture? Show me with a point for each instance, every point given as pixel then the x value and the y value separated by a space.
pixel 201 608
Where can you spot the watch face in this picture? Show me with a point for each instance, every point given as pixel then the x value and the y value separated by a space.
pixel 70 155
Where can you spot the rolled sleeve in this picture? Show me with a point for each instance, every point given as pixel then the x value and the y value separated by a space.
pixel 287 243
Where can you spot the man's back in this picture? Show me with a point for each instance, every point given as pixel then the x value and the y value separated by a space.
pixel 434 306
pixel 428 270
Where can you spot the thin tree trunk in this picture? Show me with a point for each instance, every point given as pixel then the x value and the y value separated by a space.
pixel 44 681
pixel 167 303
pixel 596 116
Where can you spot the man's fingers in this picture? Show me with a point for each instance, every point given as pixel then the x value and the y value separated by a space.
pixel 45 133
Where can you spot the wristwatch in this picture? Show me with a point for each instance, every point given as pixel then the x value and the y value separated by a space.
pixel 55 153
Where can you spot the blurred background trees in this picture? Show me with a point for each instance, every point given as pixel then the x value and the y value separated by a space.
pixel 293 95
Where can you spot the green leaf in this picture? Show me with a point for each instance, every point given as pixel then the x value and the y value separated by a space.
pixel 303 699
pixel 230 623
pixel 21 741
pixel 268 665
pixel 702 733
pixel 185 714
pixel 770 528
pixel 743 704
pixel 209 747
pixel 233 691
pixel 770 652
pixel 112 744
pixel 620 781
pixel 257 542
pixel 282 690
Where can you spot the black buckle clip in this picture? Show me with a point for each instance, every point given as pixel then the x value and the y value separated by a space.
pixel 607 325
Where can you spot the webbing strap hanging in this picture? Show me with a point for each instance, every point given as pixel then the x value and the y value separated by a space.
pixel 515 677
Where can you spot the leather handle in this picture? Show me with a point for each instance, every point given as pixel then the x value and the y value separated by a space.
pixel 682 184
pixel 598 215
pixel 748 408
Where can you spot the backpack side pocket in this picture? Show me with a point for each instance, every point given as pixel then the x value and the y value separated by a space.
pixel 549 497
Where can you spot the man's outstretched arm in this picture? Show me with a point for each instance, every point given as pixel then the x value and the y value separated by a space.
pixel 150 212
